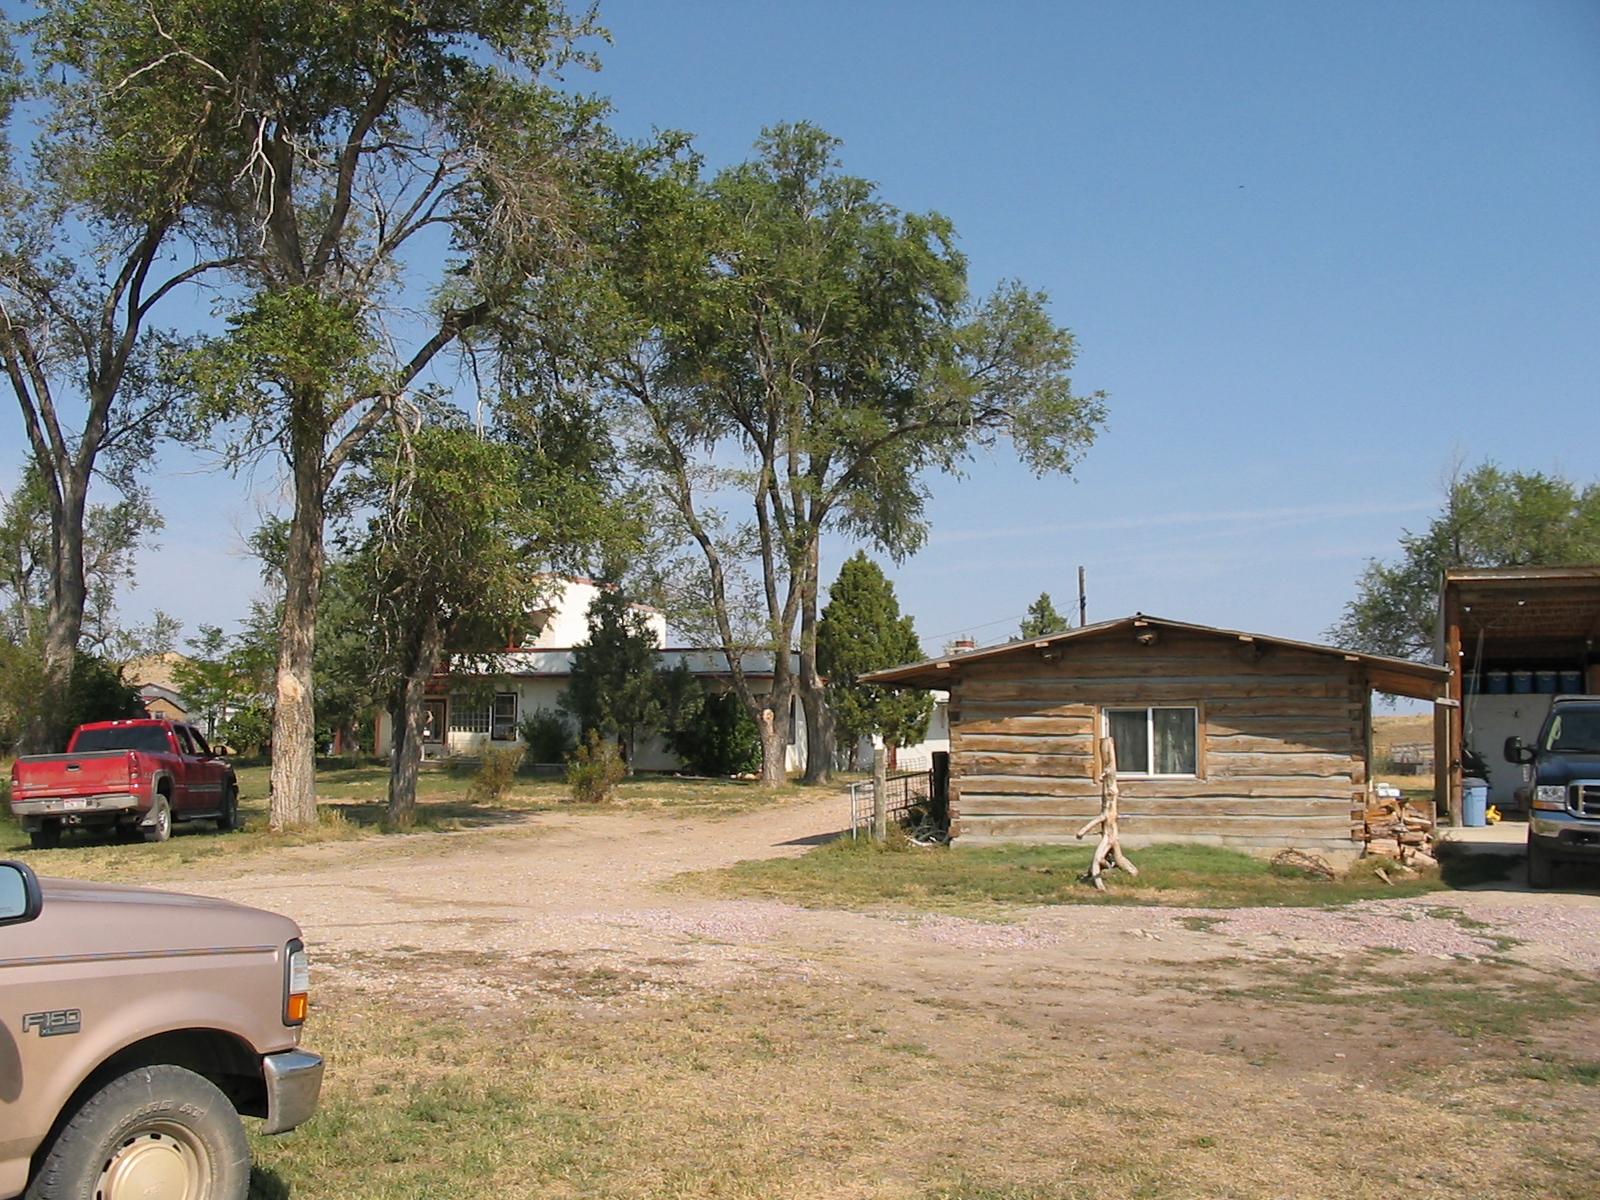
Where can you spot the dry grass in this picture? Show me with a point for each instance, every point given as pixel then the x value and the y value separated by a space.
pixel 624 1084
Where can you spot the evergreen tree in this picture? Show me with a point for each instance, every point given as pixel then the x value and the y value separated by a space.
pixel 861 630
pixel 1043 619
pixel 615 688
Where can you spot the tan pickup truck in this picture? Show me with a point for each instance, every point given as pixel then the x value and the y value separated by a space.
pixel 135 1027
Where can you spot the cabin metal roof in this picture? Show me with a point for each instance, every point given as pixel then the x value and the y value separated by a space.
pixel 1396 676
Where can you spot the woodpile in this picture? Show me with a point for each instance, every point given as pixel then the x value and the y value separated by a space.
pixel 1394 827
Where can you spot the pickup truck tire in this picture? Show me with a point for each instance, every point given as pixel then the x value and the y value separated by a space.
pixel 160 827
pixel 46 837
pixel 1541 868
pixel 228 818
pixel 156 1131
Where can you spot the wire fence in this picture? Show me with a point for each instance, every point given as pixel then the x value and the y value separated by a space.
pixel 903 791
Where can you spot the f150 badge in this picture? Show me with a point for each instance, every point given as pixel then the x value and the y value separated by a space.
pixel 54 1024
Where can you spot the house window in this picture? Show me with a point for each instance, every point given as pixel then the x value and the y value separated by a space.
pixel 1154 741
pixel 467 717
pixel 504 725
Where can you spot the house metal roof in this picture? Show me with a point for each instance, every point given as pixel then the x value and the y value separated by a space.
pixel 1396 676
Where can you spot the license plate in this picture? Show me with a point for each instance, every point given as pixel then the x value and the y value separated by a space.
pixel 75 803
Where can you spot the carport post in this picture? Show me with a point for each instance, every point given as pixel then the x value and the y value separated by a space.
pixel 880 794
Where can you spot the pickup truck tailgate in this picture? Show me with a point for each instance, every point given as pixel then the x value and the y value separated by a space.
pixel 93 773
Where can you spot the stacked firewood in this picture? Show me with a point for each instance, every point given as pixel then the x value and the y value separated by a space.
pixel 1394 827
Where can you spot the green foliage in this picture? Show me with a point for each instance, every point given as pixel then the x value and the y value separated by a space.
pixel 817 350
pixel 497 767
pixel 247 729
pixel 716 737
pixel 595 770
pixel 613 689
pixel 1491 518
pixel 99 693
pixel 546 735
pixel 1043 619
pixel 222 677
pixel 861 630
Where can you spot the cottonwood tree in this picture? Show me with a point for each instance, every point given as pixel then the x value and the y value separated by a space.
pixel 97 236
pixel 447 561
pixel 390 180
pixel 1491 518
pixel 808 353
pixel 861 629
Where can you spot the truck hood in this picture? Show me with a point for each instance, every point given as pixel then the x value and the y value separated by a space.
pixel 1564 768
pixel 80 918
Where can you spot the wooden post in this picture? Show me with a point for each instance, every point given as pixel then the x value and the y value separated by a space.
pixel 1083 601
pixel 1109 851
pixel 880 794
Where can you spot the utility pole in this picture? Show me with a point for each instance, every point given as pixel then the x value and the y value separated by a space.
pixel 1083 601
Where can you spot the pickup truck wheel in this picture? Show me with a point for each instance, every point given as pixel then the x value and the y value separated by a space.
pixel 156 1131
pixel 1541 868
pixel 46 837
pixel 228 818
pixel 160 827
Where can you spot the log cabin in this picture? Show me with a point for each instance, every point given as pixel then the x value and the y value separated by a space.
pixel 1222 737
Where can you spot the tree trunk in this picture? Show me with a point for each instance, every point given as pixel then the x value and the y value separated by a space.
pixel 813 697
pixel 46 732
pixel 405 714
pixel 774 748
pixel 294 763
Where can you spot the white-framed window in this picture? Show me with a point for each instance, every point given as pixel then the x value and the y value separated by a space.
pixel 1156 741
pixel 467 716
pixel 503 724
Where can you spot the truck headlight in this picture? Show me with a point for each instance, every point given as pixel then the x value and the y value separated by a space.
pixel 1550 796
pixel 296 983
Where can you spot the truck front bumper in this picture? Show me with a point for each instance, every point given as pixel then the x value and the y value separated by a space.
pixel 294 1081
pixel 1563 836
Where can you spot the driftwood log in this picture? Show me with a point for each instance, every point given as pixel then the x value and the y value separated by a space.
pixel 1109 851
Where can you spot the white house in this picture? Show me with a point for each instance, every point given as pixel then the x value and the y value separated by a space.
pixel 532 675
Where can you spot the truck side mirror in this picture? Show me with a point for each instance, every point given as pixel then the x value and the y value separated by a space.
pixel 20 898
pixel 1516 752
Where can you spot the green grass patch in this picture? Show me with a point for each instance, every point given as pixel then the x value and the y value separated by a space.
pixel 856 874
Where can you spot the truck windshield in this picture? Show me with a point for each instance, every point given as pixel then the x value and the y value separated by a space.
pixel 1574 732
pixel 150 738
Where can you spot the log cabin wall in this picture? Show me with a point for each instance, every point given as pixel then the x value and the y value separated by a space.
pixel 1282 741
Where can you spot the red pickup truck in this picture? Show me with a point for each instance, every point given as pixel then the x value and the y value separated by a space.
pixel 131 777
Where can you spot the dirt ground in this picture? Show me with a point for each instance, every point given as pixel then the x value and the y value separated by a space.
pixel 1428 1048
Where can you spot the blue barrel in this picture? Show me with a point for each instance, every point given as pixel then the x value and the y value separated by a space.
pixel 1497 683
pixel 1475 803
pixel 1522 682
pixel 1469 684
pixel 1544 682
pixel 1571 682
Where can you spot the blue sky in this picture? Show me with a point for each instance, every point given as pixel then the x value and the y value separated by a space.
pixel 1314 253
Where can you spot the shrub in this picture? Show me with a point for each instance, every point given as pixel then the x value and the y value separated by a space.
pixel 497 767
pixel 247 729
pixel 719 738
pixel 546 734
pixel 595 770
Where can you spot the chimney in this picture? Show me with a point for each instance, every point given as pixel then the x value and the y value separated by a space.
pixel 962 645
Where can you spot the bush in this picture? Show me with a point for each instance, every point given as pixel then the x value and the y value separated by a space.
pixel 718 739
pixel 595 770
pixel 546 734
pixel 497 767
pixel 248 729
